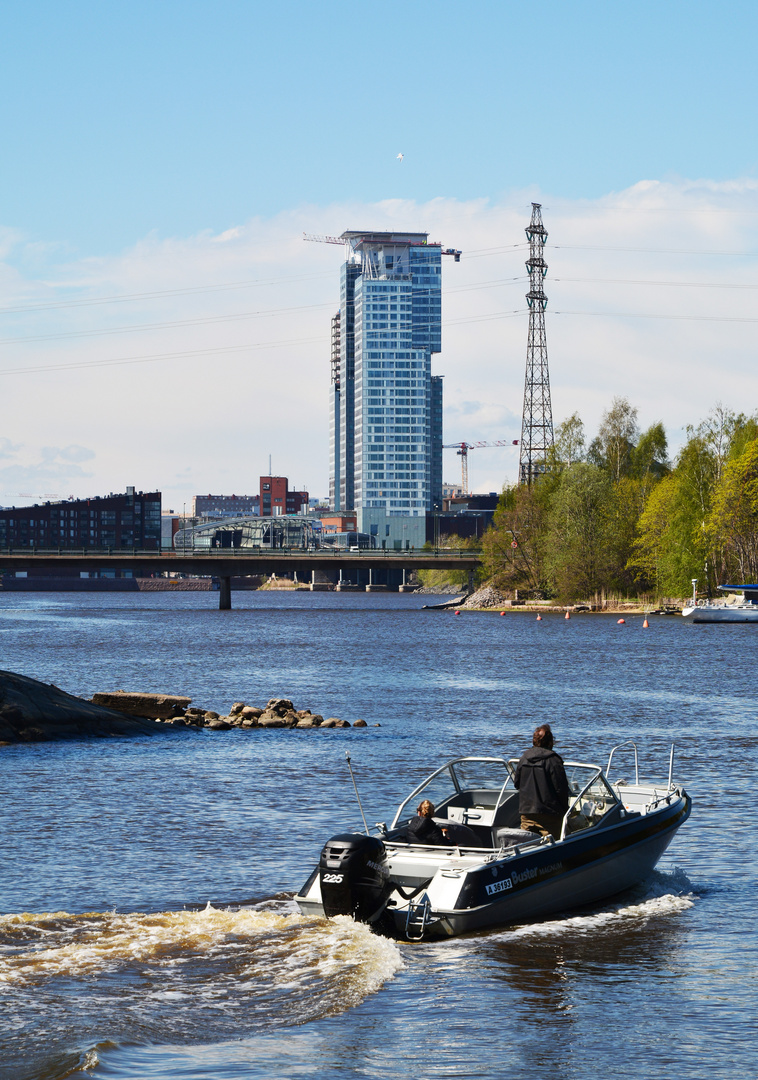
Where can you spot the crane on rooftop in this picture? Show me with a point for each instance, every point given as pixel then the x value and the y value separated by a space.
pixel 463 448
pixel 412 243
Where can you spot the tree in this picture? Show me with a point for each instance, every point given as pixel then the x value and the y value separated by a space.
pixel 649 458
pixel 569 441
pixel 512 546
pixel 578 556
pixel 733 520
pixel 617 436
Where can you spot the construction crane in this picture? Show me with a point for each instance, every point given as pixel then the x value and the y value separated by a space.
pixel 411 243
pixel 463 448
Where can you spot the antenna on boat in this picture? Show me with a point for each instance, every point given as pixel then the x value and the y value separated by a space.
pixel 350 767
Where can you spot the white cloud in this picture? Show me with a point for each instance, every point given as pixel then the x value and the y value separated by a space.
pixel 221 357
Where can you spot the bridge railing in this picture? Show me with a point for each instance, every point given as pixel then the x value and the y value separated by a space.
pixel 237 553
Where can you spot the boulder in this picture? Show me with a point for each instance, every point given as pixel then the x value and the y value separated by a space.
pixel 162 706
pixel 250 712
pixel 271 721
pixel 237 707
pixel 302 713
pixel 33 711
pixel 218 724
pixel 210 715
pixel 342 723
pixel 249 721
pixel 360 723
pixel 331 722
pixel 280 705
pixel 307 722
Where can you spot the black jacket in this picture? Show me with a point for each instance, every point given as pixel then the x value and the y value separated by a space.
pixel 541 782
pixel 424 830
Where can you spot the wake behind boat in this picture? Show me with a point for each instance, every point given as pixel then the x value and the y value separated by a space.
pixel 490 872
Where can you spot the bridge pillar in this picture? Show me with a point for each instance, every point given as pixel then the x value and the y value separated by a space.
pixel 371 587
pixel 471 581
pixel 225 594
pixel 319 581
pixel 405 587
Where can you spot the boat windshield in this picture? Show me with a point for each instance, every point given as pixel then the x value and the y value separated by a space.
pixel 589 781
pixel 483 778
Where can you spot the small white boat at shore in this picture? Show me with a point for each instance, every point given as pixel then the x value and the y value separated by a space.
pixel 738 604
pixel 490 872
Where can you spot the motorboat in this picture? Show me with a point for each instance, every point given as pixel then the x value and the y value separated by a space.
pixel 738 604
pixel 490 872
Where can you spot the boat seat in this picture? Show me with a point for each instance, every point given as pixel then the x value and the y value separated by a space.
pixel 460 835
pixel 504 837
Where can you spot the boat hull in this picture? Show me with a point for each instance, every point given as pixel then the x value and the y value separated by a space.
pixel 524 885
pixel 581 870
pixel 717 613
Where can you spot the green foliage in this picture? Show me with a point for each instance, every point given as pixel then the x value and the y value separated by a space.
pixel 621 518
pixel 512 547
pixel 733 521
pixel 578 549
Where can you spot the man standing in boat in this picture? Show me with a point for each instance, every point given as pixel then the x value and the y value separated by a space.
pixel 542 785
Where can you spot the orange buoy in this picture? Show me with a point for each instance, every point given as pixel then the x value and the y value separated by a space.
pixel 567 615
pixel 621 621
pixel 539 618
pixel 502 613
pixel 457 613
pixel 645 624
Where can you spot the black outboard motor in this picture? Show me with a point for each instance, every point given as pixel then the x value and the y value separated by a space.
pixel 354 877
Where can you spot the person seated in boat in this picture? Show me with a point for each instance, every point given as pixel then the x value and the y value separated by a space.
pixel 542 786
pixel 423 829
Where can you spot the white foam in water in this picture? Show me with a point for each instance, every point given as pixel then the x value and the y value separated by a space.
pixel 293 951
pixel 657 899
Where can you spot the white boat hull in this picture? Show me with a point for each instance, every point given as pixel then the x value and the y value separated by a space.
pixel 721 613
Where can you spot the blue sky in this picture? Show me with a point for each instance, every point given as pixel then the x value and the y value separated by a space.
pixel 160 147
pixel 122 118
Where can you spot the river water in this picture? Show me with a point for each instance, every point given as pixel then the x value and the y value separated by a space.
pixel 146 921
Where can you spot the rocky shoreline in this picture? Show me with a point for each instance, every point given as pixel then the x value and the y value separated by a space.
pixel 33 711
pixel 177 711
pixel 489 598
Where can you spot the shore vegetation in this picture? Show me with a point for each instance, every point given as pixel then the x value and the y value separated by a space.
pixel 616 517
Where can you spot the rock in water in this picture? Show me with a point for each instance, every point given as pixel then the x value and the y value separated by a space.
pixel 154 706
pixel 32 711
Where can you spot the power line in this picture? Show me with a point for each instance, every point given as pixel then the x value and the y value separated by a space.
pixel 139 328
pixel 153 357
pixel 655 251
pixel 650 315
pixel 648 281
pixel 121 298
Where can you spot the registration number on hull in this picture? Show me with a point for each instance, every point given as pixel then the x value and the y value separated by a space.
pixel 499 886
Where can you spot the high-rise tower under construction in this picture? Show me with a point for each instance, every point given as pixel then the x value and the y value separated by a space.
pixel 386 406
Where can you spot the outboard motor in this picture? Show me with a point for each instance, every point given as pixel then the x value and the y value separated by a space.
pixel 354 877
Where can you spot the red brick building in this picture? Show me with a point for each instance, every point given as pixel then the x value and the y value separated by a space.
pixel 277 499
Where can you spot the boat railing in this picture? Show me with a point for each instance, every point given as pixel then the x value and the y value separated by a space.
pixel 456 789
pixel 575 802
pixel 627 742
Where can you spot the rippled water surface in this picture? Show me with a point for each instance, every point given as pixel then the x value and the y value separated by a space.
pixel 146 921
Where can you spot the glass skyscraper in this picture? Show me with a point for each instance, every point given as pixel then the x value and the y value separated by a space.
pixel 386 407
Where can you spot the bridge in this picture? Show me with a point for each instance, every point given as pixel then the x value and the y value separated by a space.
pixel 239 562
